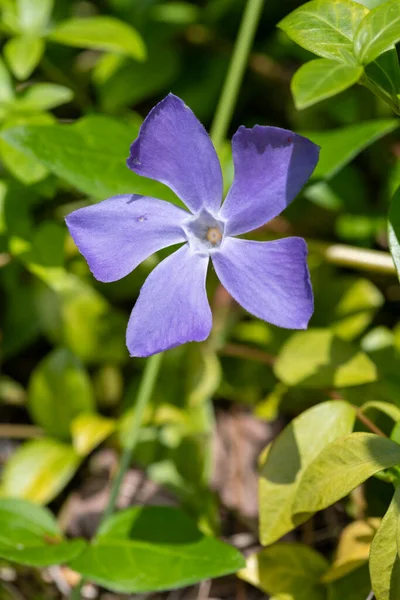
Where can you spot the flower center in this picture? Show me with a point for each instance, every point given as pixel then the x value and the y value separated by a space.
pixel 204 232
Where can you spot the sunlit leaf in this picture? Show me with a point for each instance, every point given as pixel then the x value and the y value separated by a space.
pixel 353 548
pixel 341 467
pixel 317 358
pixel 322 78
pixel 384 561
pixel 39 470
pixel 293 569
pixel 33 15
pixel 326 27
pixel 44 96
pixel 165 546
pixel 378 31
pixel 23 54
pixel 89 430
pixel 100 33
pixel 388 409
pixel 289 456
pixel 30 535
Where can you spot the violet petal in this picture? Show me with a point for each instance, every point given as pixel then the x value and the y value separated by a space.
pixel 271 167
pixel 116 235
pixel 174 148
pixel 269 279
pixel 172 307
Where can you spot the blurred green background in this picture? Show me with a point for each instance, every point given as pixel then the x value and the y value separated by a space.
pixel 72 97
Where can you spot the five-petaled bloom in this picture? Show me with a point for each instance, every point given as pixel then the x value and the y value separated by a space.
pixel 269 279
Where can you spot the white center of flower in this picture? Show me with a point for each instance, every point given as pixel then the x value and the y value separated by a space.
pixel 204 232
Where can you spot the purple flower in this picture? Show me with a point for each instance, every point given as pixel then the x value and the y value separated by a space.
pixel 269 279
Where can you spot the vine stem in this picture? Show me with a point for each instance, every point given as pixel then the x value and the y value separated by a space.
pixel 230 91
pixel 146 388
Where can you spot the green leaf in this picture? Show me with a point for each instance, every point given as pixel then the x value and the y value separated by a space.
pixel 6 85
pixel 289 456
pixel 23 54
pixel 322 78
pixel 384 72
pixel 354 586
pixel 388 409
pixel 59 389
pixel 326 27
pixel 165 547
pixel 34 15
pixel 340 146
pixel 25 168
pixel 90 154
pixel 89 430
pixel 342 466
pixel 293 569
pixel 384 561
pixel 39 470
pixel 30 535
pixel 100 33
pixel 378 32
pixel 114 81
pixel 316 358
pixel 394 230
pixel 43 96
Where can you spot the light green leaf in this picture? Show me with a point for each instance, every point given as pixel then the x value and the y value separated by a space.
pixel 25 168
pixel 100 33
pixel 388 409
pixel 165 547
pixel 34 15
pixel 326 27
pixel 59 389
pixel 90 154
pixel 30 535
pixel 39 470
pixel 89 430
pixel 340 146
pixel 6 85
pixel 289 456
pixel 341 467
pixel 378 32
pixel 316 358
pixel 293 569
pixel 394 230
pixel 384 561
pixel 322 78
pixel 23 54
pixel 384 72
pixel 43 96
pixel 177 13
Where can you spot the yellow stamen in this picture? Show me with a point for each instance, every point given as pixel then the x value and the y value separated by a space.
pixel 214 235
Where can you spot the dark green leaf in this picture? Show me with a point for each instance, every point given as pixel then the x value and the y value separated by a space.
pixel 394 230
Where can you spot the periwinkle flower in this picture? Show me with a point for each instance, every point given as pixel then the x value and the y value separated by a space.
pixel 269 279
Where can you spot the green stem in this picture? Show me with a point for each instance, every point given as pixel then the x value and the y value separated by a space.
pixel 227 101
pixel 146 388
pixel 361 259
